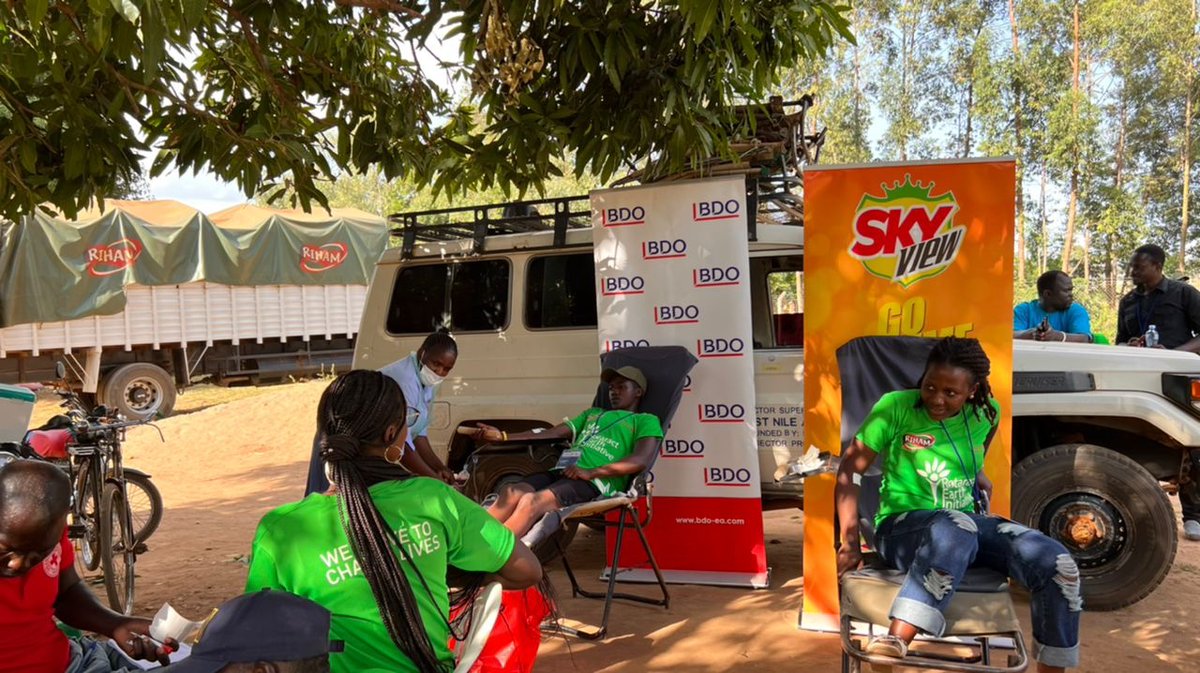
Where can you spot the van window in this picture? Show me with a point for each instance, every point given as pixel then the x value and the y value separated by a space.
pixel 461 297
pixel 785 289
pixel 560 292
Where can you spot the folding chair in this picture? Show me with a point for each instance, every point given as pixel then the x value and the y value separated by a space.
pixel 982 608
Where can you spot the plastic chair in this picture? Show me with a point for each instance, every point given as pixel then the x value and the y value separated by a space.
pixel 982 608
pixel 484 613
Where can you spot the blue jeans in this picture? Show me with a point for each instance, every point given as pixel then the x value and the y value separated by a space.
pixel 936 547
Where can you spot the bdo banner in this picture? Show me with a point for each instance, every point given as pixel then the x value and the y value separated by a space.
pixel 912 249
pixel 672 267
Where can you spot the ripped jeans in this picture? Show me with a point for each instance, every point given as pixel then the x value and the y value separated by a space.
pixel 936 547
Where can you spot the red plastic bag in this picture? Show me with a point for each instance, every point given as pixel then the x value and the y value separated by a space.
pixel 513 644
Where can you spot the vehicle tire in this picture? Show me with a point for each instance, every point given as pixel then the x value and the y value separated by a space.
pixel 87 499
pixel 493 471
pixel 117 556
pixel 139 391
pixel 145 504
pixel 1125 536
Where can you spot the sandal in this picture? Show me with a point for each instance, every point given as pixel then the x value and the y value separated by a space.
pixel 887 646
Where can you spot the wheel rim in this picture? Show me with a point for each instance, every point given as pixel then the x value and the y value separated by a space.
pixel 122 554
pixel 140 508
pixel 143 395
pixel 1094 529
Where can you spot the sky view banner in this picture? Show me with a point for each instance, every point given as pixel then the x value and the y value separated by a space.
pixel 912 249
pixel 672 267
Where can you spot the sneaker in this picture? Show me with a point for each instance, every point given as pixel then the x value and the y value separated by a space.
pixel 887 646
pixel 1191 529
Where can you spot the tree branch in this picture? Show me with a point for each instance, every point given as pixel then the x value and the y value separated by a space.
pixel 381 6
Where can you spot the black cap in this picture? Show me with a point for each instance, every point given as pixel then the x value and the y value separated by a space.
pixel 263 626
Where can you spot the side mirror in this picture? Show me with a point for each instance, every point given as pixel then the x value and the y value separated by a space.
pixel 60 370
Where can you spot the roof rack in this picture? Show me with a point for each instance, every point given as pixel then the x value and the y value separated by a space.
pixel 479 222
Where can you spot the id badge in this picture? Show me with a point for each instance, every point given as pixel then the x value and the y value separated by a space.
pixel 567 459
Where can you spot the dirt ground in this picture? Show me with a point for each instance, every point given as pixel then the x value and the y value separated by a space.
pixel 223 466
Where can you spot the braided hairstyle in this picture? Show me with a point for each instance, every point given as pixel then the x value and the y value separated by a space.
pixel 966 354
pixel 354 414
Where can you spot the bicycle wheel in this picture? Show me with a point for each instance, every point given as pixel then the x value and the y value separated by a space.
pixel 145 505
pixel 116 548
pixel 87 503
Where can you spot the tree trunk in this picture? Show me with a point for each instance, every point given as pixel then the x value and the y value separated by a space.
pixel 1017 107
pixel 1187 154
pixel 1070 237
pixel 1044 255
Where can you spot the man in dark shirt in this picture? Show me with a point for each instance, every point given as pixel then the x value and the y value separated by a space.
pixel 1173 307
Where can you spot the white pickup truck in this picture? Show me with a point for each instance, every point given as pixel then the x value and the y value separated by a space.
pixel 1100 432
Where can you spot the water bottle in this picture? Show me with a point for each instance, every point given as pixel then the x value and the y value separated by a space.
pixel 1151 337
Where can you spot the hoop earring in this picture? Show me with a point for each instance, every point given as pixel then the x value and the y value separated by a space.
pixel 398 457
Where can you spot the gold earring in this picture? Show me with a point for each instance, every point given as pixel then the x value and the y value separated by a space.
pixel 398 457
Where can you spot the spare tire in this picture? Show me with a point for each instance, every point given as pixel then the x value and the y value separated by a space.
pixel 139 391
pixel 1108 511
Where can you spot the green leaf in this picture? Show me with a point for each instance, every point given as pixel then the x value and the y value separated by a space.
pixel 154 41
pixel 705 18
pixel 36 11
pixel 127 9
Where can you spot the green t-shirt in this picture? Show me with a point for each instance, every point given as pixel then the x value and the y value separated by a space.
pixel 302 548
pixel 921 469
pixel 604 437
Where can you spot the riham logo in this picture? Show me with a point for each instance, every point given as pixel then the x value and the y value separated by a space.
pixel 682 448
pixel 726 476
pixel 917 442
pixel 105 260
pixel 622 217
pixel 716 276
pixel 688 314
pixel 664 249
pixel 613 344
pixel 907 234
pixel 612 286
pixel 720 348
pixel 721 413
pixel 315 259
pixel 708 211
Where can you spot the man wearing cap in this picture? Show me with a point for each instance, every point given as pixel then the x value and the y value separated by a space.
pixel 607 447
pixel 262 632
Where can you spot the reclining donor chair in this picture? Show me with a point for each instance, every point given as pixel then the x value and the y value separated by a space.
pixel 666 369
pixel 982 608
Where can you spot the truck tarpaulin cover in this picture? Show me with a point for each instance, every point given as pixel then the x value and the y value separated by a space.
pixel 53 269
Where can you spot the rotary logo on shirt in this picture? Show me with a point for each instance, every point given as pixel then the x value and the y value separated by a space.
pixel 53 563
pixel 917 442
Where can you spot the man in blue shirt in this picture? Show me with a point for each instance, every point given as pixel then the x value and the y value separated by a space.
pixel 1054 315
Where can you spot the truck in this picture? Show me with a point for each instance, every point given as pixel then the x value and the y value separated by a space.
pixel 1101 434
pixel 142 299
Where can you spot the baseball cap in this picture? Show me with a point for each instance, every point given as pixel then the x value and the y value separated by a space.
pixel 627 372
pixel 263 626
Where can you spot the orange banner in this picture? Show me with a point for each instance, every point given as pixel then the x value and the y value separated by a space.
pixel 913 249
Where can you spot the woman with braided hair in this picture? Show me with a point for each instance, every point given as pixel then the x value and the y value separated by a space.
pixel 933 519
pixel 374 550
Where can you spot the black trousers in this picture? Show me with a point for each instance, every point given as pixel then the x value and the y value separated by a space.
pixel 1189 493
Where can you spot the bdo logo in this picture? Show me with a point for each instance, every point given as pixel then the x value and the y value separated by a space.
pixel 687 383
pixel 614 344
pixel 622 217
pixel 715 276
pixel 688 314
pixel 720 348
pixel 682 448
pixel 721 413
pixel 618 285
pixel 727 476
pixel 907 234
pixel 707 211
pixel 664 249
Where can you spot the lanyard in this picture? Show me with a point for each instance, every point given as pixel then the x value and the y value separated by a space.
pixel 1145 318
pixel 596 427
pixel 961 462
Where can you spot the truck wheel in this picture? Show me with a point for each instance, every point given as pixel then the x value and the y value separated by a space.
pixel 1108 511
pixel 140 390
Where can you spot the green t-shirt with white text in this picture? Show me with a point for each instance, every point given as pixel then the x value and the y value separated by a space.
pixel 604 437
pixel 303 549
pixel 921 468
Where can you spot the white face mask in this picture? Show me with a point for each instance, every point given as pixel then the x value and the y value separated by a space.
pixel 429 378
